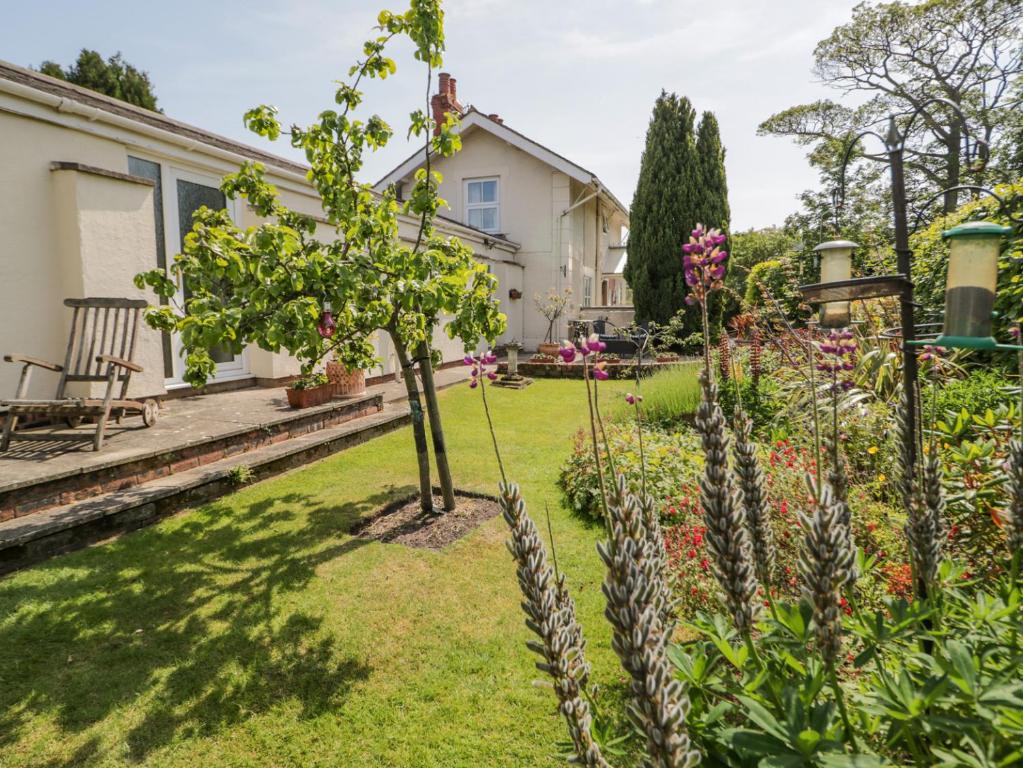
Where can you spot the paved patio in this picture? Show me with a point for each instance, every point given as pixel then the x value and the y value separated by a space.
pixel 183 422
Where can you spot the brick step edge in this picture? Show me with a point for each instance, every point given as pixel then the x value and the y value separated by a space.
pixel 134 471
pixel 34 538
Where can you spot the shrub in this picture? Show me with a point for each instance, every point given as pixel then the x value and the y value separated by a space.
pixel 981 390
pixel 934 682
pixel 671 458
pixel 761 402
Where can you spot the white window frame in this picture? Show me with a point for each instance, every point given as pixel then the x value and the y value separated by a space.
pixel 495 204
pixel 588 281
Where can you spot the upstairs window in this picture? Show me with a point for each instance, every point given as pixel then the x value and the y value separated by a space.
pixel 482 205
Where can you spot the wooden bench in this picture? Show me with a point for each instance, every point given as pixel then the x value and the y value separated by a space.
pixel 100 348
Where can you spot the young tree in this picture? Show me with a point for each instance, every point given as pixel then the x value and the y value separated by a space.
pixel 663 210
pixel 274 284
pixel 902 57
pixel 114 77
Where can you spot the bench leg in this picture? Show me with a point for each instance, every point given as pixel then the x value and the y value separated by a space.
pixel 12 421
pixel 101 422
pixel 9 424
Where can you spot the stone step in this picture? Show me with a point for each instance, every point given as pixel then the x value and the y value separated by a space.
pixel 82 476
pixel 32 538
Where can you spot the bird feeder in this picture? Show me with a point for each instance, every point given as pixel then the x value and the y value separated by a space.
pixel 836 266
pixel 970 286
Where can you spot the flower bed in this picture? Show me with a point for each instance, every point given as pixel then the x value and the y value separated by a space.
pixel 616 369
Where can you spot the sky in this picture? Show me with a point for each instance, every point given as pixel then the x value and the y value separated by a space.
pixel 579 76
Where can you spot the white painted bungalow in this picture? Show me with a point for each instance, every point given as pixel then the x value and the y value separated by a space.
pixel 94 190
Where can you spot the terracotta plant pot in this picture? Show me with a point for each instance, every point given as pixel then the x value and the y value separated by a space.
pixel 306 398
pixel 667 358
pixel 548 348
pixel 346 383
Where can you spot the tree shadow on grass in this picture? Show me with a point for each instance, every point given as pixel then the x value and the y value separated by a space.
pixel 182 629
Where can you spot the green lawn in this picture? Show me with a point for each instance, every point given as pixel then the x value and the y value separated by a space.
pixel 256 632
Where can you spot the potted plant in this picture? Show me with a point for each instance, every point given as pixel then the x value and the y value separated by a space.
pixel 346 383
pixel 552 305
pixel 309 390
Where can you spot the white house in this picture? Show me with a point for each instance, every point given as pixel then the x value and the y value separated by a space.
pixel 94 190
pixel 569 227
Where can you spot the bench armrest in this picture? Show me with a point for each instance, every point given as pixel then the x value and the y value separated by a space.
pixel 119 361
pixel 33 361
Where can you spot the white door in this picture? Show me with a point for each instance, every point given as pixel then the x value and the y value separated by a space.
pixel 184 193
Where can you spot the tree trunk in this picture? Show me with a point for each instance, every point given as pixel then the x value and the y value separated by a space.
pixel 418 429
pixel 440 452
pixel 953 168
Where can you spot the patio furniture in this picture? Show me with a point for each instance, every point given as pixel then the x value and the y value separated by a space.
pixel 100 349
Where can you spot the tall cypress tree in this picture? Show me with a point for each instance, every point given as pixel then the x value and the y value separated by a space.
pixel 661 216
pixel 712 201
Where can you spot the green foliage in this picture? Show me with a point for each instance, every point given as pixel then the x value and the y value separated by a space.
pixel 934 682
pixel 778 277
pixel 664 210
pixel 930 256
pixel 309 381
pixel 749 248
pixel 268 284
pixel 670 397
pixel 981 390
pixel 114 77
pixel 241 475
pixel 712 201
pixel 761 403
pixel 671 457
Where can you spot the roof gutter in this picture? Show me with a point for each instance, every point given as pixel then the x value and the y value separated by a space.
pixel 66 106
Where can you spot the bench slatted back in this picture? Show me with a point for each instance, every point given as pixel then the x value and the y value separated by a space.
pixel 100 327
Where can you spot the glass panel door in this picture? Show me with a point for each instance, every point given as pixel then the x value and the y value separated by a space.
pixel 191 192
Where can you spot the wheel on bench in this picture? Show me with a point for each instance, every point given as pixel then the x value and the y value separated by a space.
pixel 150 412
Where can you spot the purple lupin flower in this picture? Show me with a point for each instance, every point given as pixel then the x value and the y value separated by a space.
pixel 703 263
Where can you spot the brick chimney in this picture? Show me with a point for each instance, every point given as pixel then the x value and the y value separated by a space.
pixel 445 100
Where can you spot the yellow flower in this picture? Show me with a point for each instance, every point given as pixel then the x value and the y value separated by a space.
pixel 872 450
pixel 881 478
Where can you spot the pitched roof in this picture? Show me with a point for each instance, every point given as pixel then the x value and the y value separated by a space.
pixel 475 119
pixel 65 90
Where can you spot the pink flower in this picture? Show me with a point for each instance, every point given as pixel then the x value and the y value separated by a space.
pixel 599 373
pixel 490 358
pixel 632 399
pixel 567 351
pixel 491 375
pixel 474 383
pixel 469 360
pixel 703 263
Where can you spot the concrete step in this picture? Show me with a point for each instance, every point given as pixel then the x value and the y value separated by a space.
pixel 194 435
pixel 32 538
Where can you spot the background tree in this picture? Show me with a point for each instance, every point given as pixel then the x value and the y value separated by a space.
pixel 663 210
pixel 900 56
pixel 711 202
pixel 271 284
pixel 114 77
